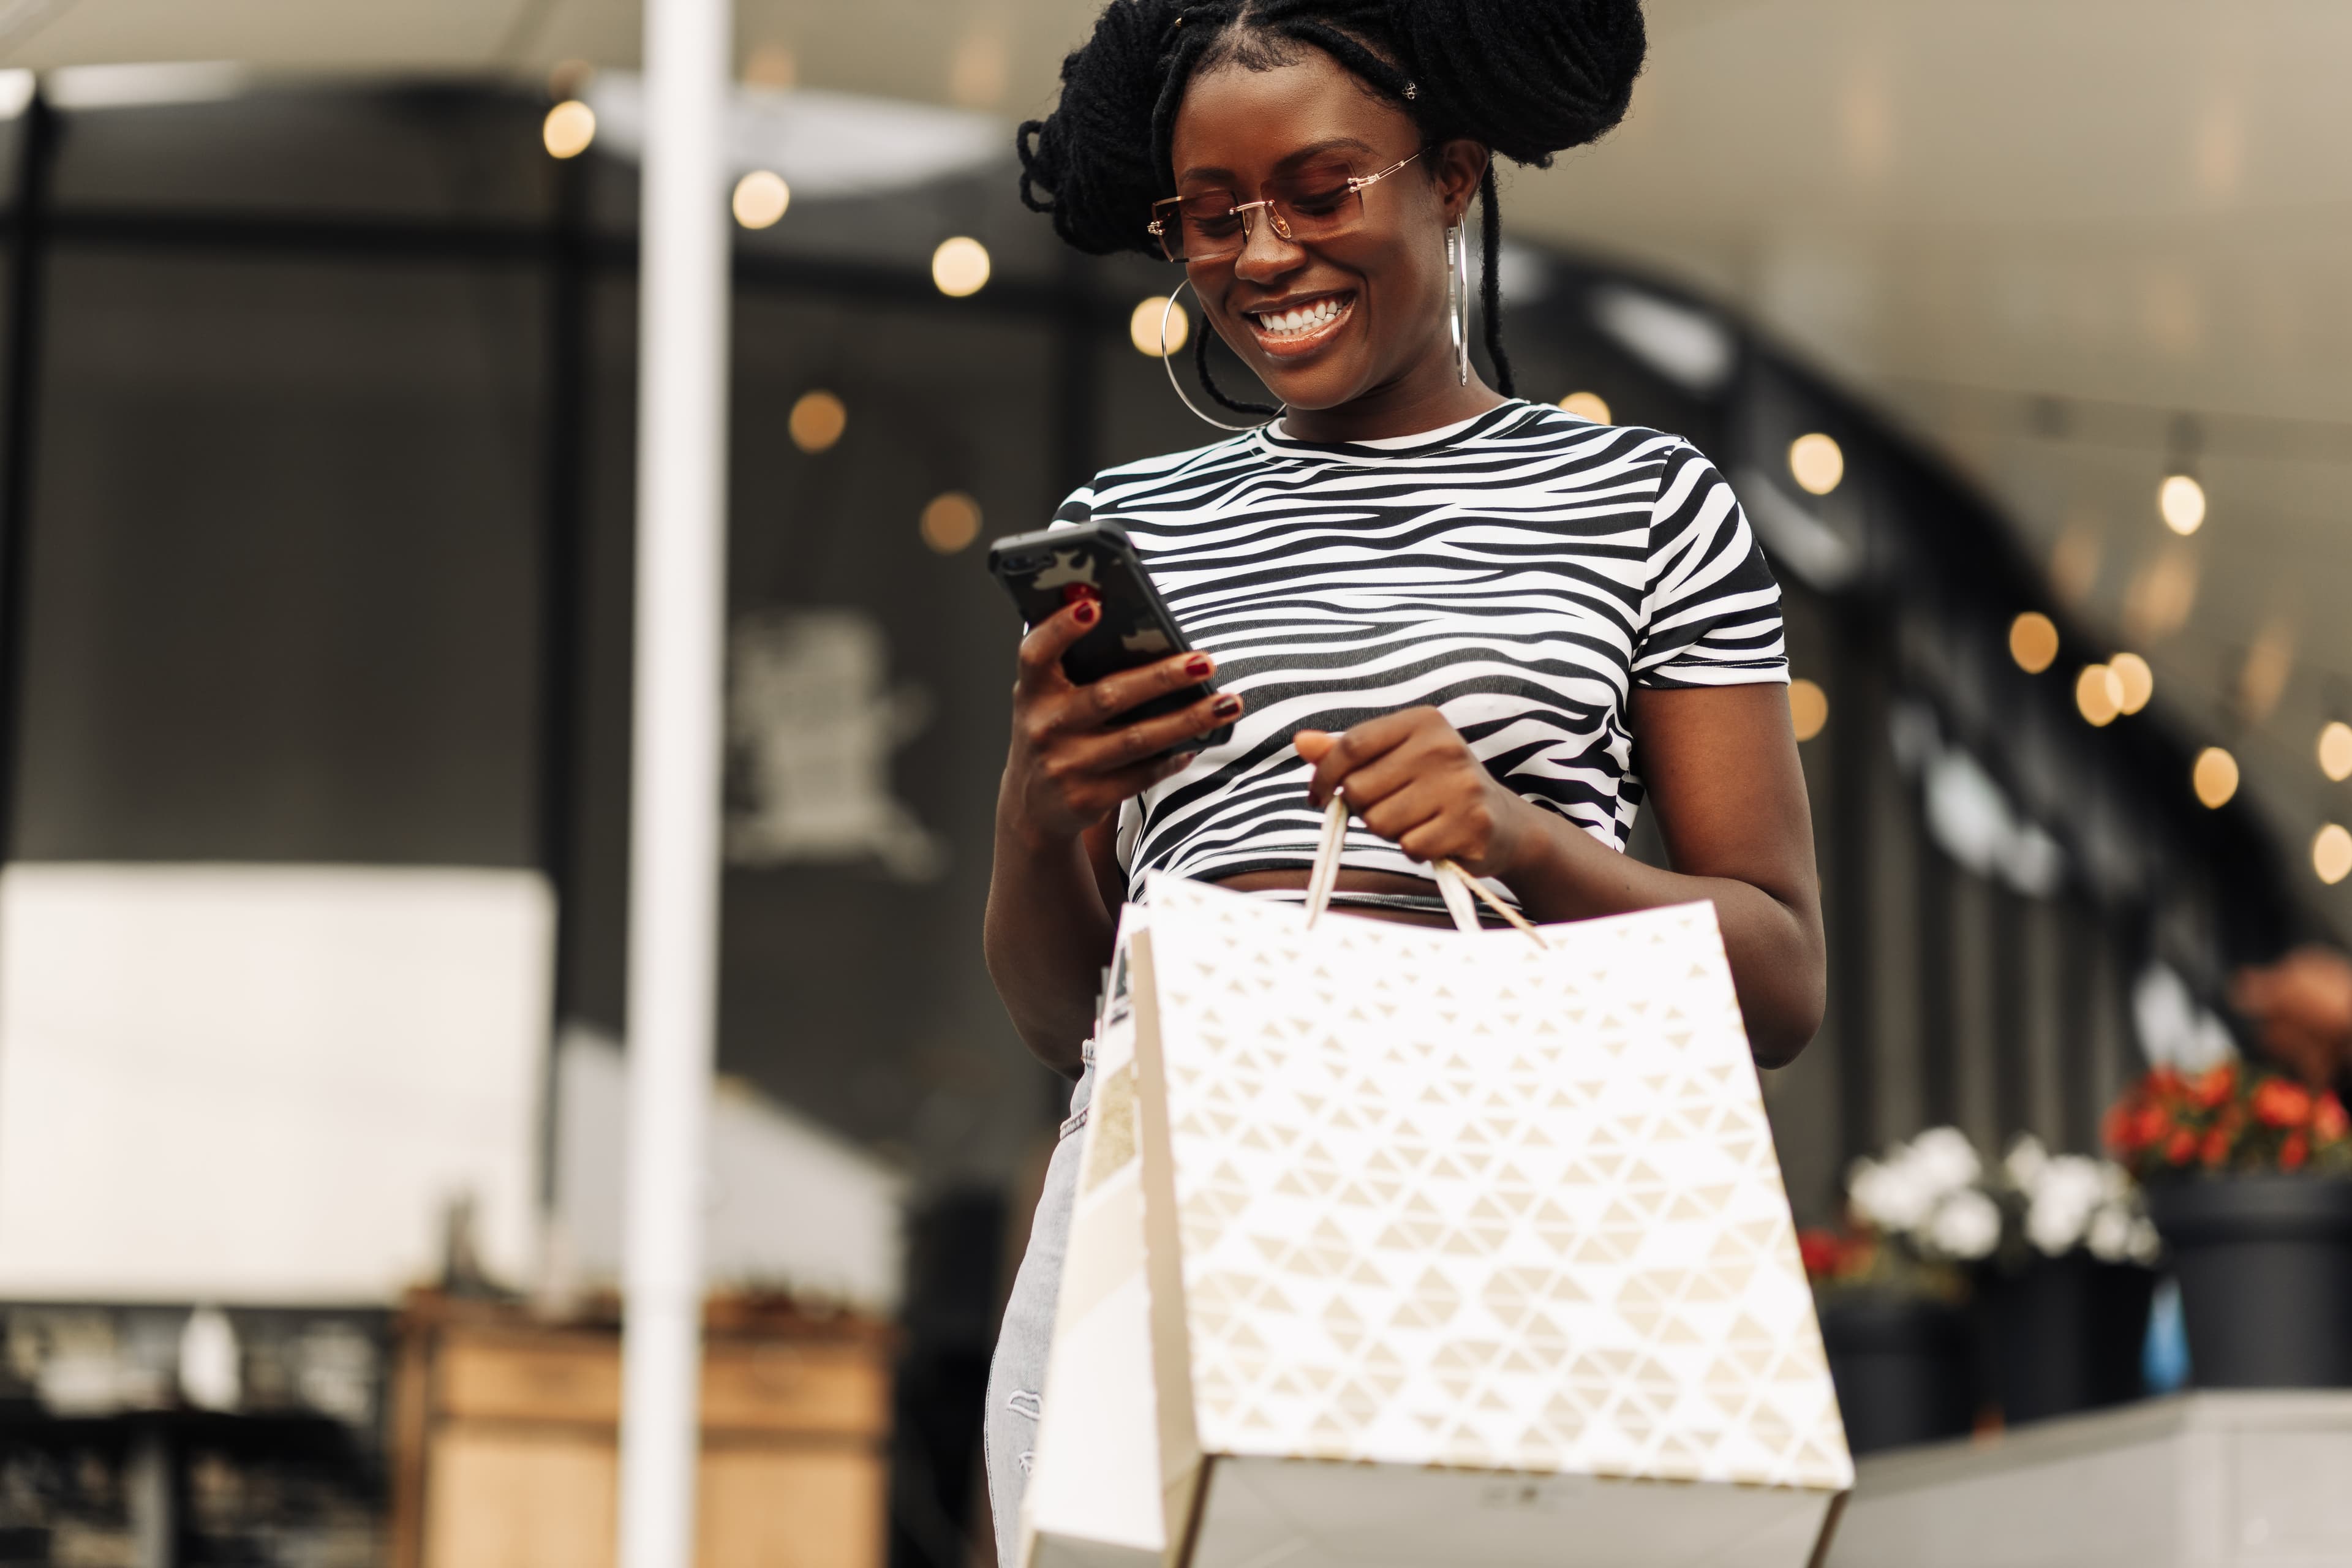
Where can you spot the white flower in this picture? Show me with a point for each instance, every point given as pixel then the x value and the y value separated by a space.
pixel 2060 1211
pixel 2145 1244
pixel 2028 1159
pixel 1967 1226
pixel 2109 1236
pixel 1888 1196
pixel 1944 1159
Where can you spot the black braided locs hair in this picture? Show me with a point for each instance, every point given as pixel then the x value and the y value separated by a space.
pixel 1527 77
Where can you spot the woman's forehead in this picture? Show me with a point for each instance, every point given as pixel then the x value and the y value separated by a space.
pixel 1250 123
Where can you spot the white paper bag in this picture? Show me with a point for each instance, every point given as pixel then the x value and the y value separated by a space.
pixel 1398 1246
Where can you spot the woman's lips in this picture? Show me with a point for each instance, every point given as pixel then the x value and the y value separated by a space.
pixel 1302 327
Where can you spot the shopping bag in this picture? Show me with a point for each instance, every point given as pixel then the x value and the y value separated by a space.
pixel 1400 1246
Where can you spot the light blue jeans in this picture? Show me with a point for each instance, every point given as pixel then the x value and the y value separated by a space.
pixel 1016 1377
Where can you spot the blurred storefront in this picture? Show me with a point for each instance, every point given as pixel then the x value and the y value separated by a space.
pixel 314 701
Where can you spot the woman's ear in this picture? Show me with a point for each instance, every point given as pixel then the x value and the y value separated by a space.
pixel 1461 164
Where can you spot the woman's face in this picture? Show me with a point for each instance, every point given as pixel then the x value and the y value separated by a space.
pixel 1326 322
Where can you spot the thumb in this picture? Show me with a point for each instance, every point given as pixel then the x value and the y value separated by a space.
pixel 1312 744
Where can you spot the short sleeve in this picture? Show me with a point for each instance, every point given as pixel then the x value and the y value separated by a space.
pixel 1712 615
pixel 1079 508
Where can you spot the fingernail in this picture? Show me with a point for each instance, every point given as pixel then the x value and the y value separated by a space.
pixel 1200 667
pixel 1088 613
pixel 1227 705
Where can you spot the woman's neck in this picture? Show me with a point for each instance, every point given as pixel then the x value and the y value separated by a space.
pixel 1407 407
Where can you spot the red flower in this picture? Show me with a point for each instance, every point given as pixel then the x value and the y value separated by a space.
pixel 2216 1150
pixel 2293 1151
pixel 2328 1121
pixel 1820 1251
pixel 2214 1086
pixel 2167 1083
pixel 2279 1102
pixel 2182 1147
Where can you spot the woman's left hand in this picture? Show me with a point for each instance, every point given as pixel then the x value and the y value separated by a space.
pixel 1414 781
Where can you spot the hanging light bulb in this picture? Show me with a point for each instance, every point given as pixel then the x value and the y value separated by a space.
pixel 2099 695
pixel 2180 500
pixel 2336 749
pixel 2033 642
pixel 2215 777
pixel 2134 682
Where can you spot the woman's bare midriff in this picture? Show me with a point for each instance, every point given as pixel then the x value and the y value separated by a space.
pixel 1387 882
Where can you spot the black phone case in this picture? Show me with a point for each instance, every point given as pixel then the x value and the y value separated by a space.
pixel 1040 570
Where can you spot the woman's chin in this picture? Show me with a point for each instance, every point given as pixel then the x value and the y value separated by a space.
pixel 1311 389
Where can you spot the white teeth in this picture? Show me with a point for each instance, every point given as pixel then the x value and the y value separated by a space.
pixel 1300 319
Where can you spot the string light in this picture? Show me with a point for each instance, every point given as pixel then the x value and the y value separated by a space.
pixel 817 421
pixel 569 129
pixel 2215 777
pixel 1817 462
pixel 1143 326
pixel 760 198
pixel 1809 707
pixel 2181 501
pixel 2331 853
pixel 1587 405
pixel 2336 749
pixel 2099 694
pixel 2033 642
pixel 950 521
pixel 2134 682
pixel 960 266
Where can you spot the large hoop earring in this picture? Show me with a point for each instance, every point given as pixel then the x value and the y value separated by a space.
pixel 1457 298
pixel 1167 362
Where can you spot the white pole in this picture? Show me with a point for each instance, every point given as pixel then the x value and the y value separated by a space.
pixel 673 811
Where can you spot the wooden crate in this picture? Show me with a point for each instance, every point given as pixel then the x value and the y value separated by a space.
pixel 505 1443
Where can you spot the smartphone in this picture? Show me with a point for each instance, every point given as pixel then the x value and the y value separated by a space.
pixel 1043 571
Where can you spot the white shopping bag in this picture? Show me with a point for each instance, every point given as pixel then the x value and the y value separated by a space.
pixel 1403 1247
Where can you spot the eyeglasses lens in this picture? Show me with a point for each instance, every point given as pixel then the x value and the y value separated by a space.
pixel 1308 204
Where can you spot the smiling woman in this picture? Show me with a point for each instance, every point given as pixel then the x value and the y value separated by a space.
pixel 1494 630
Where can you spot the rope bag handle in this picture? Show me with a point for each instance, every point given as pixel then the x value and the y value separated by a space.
pixel 1454 885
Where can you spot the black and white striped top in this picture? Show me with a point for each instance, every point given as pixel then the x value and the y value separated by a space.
pixel 1521 571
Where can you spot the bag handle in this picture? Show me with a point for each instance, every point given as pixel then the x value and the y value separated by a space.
pixel 1454 885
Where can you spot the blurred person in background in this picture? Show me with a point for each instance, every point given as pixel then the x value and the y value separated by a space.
pixel 2301 1007
pixel 1493 627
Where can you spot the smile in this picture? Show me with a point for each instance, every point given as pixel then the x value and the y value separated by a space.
pixel 1296 327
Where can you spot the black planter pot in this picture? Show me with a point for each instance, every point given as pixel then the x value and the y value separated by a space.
pixel 2265 1271
pixel 2068 1334
pixel 1902 1366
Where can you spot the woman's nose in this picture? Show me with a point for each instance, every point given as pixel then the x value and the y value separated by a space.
pixel 1266 254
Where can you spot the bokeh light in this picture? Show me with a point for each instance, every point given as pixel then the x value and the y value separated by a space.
pixel 1587 405
pixel 2215 777
pixel 569 129
pixel 2033 642
pixel 2181 503
pixel 2134 682
pixel 2099 694
pixel 2336 749
pixel 760 198
pixel 960 266
pixel 2331 853
pixel 950 521
pixel 817 421
pixel 1143 326
pixel 1809 707
pixel 1817 462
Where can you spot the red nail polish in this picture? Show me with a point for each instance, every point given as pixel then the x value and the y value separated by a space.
pixel 1198 666
pixel 1227 705
pixel 1088 613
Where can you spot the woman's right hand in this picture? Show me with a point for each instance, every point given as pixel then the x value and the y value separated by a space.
pixel 1071 762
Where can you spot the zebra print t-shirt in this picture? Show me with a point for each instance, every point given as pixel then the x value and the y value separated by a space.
pixel 1520 572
